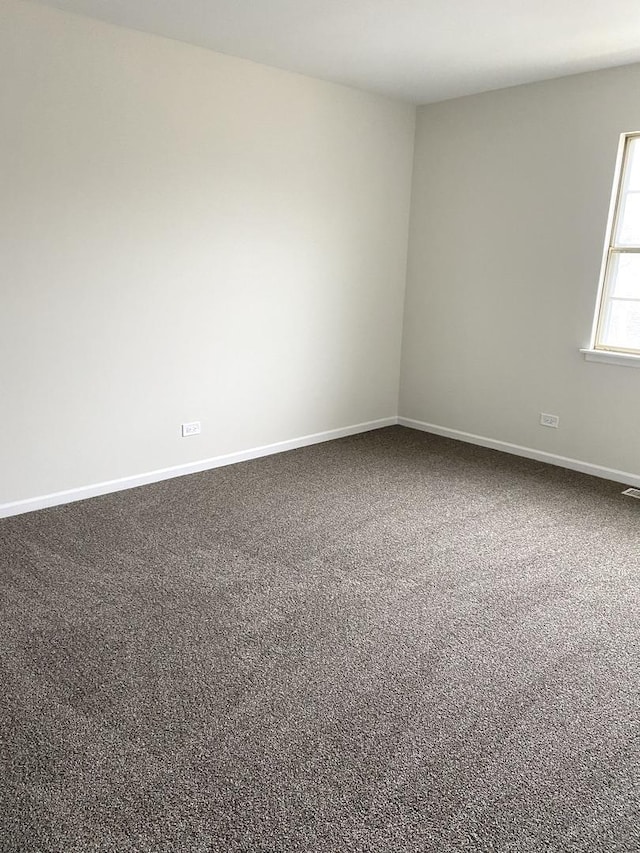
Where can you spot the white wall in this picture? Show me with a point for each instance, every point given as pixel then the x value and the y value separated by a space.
pixel 186 236
pixel 510 202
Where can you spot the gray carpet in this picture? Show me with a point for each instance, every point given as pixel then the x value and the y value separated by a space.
pixel 392 642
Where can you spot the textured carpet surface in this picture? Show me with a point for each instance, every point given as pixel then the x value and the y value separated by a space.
pixel 393 642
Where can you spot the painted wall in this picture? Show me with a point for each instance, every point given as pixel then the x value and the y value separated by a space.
pixel 510 203
pixel 186 236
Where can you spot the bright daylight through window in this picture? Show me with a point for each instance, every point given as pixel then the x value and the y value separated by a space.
pixel 617 323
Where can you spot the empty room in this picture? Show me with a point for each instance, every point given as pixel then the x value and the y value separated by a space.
pixel 319 448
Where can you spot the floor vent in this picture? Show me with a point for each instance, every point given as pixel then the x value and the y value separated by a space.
pixel 633 493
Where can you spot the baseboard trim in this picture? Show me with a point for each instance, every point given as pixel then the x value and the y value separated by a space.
pixel 96 489
pixel 527 452
pixel 122 483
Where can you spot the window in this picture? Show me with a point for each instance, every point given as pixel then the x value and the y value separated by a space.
pixel 617 322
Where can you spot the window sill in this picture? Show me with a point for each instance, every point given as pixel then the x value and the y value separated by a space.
pixel 622 359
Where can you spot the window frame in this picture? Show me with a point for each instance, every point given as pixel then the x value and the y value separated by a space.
pixel 609 252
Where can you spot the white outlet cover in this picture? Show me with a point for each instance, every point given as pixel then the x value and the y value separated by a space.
pixel 549 420
pixel 192 428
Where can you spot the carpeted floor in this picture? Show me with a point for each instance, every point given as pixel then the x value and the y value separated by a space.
pixel 392 643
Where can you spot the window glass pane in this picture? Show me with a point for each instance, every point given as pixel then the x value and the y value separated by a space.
pixel 624 275
pixel 618 323
pixel 621 327
pixel 628 230
pixel 633 167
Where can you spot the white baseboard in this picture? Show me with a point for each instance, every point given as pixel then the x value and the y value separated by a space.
pixel 528 452
pixel 96 489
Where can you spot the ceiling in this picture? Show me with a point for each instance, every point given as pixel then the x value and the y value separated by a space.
pixel 417 50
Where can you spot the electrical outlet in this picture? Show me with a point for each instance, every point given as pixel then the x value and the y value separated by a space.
pixel 191 429
pixel 549 420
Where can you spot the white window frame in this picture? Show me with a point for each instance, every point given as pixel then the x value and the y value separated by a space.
pixel 598 351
